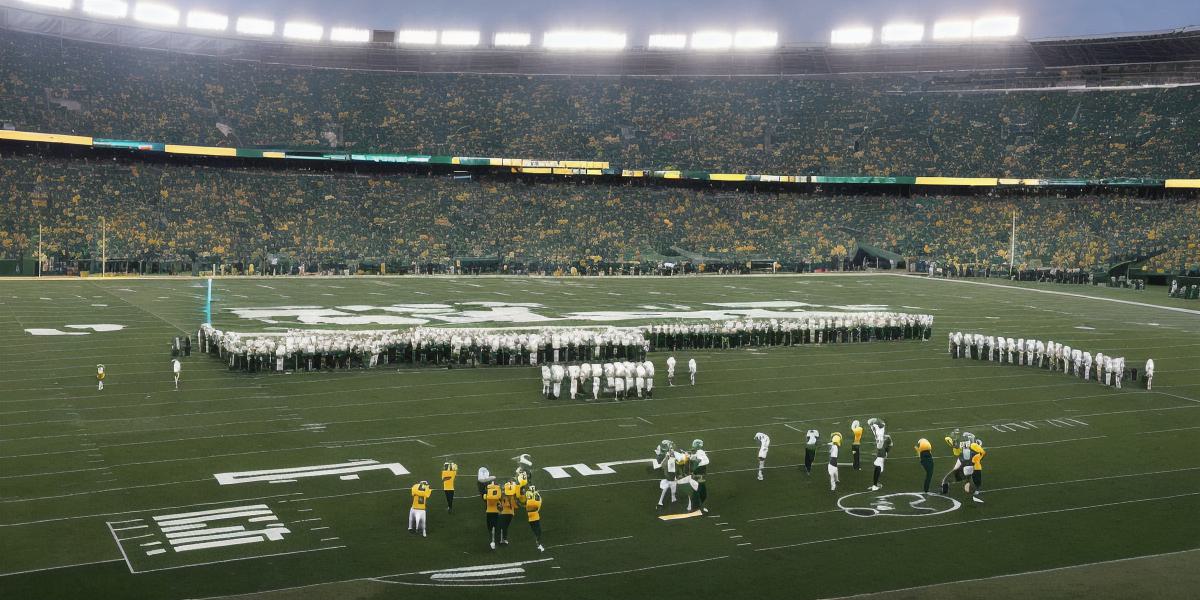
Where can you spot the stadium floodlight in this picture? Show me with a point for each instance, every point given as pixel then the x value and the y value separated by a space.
pixel 419 37
pixel 902 33
pixel 667 41
pixel 349 34
pixel 156 14
pixel 511 39
pixel 57 4
pixel 199 19
pixel 851 36
pixel 298 30
pixel 751 39
pixel 254 26
pixel 951 30
pixel 994 27
pixel 458 37
pixel 112 9
pixel 711 40
pixel 583 40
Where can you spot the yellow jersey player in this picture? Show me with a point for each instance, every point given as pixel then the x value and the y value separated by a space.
pixel 522 478
pixel 533 509
pixel 491 501
pixel 99 377
pixel 856 445
pixel 449 473
pixel 420 499
pixel 835 444
pixel 925 451
pixel 508 508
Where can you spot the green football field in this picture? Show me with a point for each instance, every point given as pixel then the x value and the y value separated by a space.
pixel 1089 490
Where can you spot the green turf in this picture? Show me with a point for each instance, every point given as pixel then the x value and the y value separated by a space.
pixel 74 460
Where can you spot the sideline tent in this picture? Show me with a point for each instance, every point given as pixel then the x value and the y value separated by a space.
pixel 875 257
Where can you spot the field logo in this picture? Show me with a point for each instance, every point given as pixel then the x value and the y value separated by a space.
pixel 604 468
pixel 346 471
pixel 899 504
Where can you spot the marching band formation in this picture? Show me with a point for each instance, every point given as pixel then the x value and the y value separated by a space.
pixel 1110 370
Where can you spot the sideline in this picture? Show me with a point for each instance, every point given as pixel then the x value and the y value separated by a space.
pixel 1057 293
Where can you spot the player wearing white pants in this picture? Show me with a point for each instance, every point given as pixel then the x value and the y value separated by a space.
pixel 640 380
pixel 573 373
pixel 416 515
pixel 545 381
pixel 692 370
pixel 835 444
pixel 649 378
pixel 764 444
pixel 1087 365
pixel 557 372
pixel 1118 370
pixel 595 385
pixel 1066 354
pixel 176 367
pixel 1076 359
pixel 883 444
pixel 1149 372
pixel 671 371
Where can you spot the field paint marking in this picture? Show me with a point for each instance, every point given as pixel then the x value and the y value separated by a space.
pixel 604 468
pixel 626 537
pixel 1019 574
pixel 1177 396
pixel 642 419
pixel 144 510
pixel 1020 487
pixel 96 562
pixel 291 474
pixel 984 519
pixel 214 562
pixel 789 426
pixel 133 527
pixel 1057 293
pixel 382 579
pixel 820 512
pixel 117 541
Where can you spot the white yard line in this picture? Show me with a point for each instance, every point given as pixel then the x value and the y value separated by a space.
pixel 1018 574
pixel 981 520
pixel 95 562
pixel 1058 293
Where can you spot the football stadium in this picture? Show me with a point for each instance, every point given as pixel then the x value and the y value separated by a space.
pixel 444 302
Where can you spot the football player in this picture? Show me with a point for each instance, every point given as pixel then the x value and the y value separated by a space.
pixel 176 368
pixel 533 510
pixel 99 377
pixel 649 378
pixel 856 445
pixel 1149 372
pixel 699 471
pixel 692 370
pixel 810 449
pixel 671 371
pixel 925 452
pixel 883 445
pixel 416 515
pixel 508 508
pixel 764 444
pixel 491 503
pixel 977 454
pixel 835 444
pixel 449 473
pixel 665 460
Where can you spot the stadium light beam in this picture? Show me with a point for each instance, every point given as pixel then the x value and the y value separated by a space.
pixel 298 30
pixel 995 27
pixel 667 41
pixel 951 30
pixel 458 37
pixel 349 34
pixel 55 4
pixel 583 40
pixel 902 33
pixel 511 39
pixel 254 26
pixel 417 37
pixel 199 19
pixel 109 9
pixel 749 40
pixel 851 36
pixel 711 40
pixel 156 14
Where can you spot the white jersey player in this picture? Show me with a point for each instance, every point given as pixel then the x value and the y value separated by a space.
pixel 573 373
pixel 595 383
pixel 1076 360
pixel 764 444
pixel 545 381
pixel 692 370
pixel 176 368
pixel 1149 372
pixel 640 379
pixel 1066 356
pixel 671 371
pixel 1087 365
pixel 557 372
pixel 649 366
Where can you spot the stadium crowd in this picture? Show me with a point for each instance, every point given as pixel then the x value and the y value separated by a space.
pixel 868 126
pixel 165 211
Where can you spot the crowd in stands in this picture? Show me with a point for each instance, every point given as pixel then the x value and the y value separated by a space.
pixel 164 211
pixel 870 126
